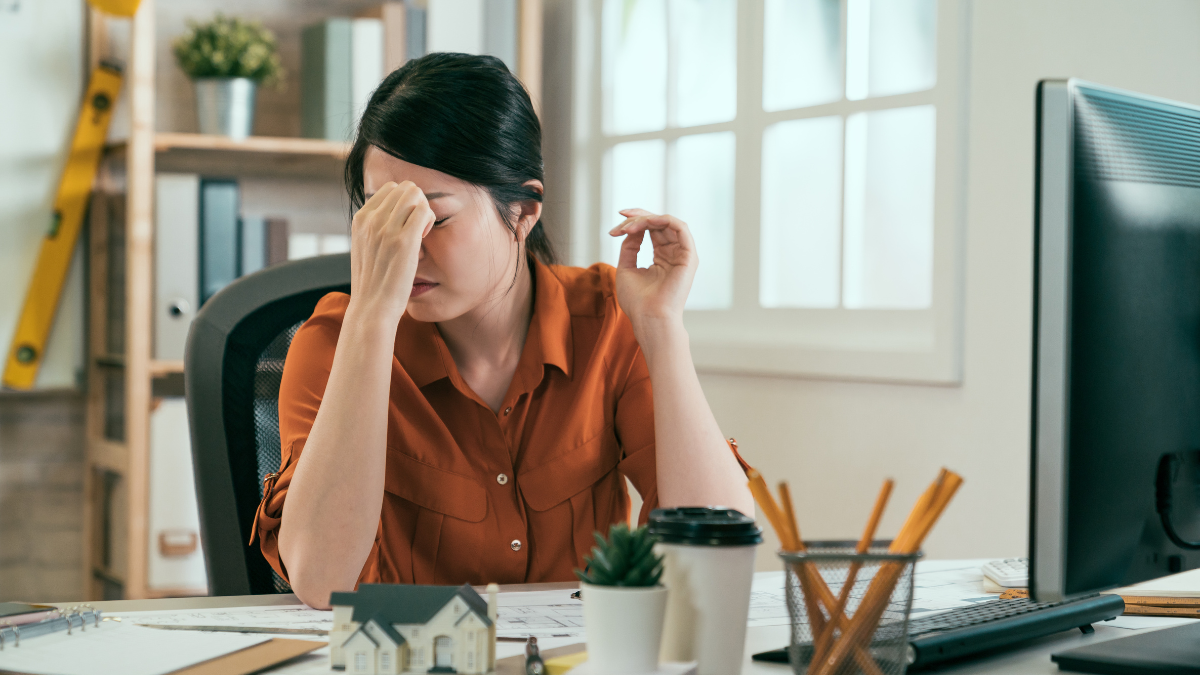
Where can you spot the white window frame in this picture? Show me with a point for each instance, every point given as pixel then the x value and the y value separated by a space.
pixel 922 346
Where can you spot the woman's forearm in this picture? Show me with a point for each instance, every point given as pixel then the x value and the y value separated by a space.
pixel 332 509
pixel 695 466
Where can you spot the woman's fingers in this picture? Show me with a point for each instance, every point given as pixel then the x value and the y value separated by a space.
pixel 629 250
pixel 372 205
pixel 663 229
pixel 408 199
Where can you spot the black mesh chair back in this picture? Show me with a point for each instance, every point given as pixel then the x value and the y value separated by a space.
pixel 232 368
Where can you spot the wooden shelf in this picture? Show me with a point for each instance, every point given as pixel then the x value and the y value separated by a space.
pixel 160 368
pixel 254 156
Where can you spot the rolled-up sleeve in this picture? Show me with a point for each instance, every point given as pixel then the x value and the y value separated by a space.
pixel 634 421
pixel 305 374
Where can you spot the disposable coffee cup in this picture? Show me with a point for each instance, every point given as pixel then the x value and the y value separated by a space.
pixel 708 566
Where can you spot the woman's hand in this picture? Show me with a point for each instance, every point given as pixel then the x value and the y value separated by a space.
pixel 658 292
pixel 385 246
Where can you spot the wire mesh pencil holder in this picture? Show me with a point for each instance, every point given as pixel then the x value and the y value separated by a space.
pixel 874 590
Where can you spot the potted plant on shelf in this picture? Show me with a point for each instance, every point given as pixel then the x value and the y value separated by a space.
pixel 227 59
pixel 623 603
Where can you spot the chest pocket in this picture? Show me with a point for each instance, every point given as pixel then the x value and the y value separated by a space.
pixel 570 472
pixel 445 492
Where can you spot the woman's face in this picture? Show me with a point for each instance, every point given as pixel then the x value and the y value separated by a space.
pixel 469 255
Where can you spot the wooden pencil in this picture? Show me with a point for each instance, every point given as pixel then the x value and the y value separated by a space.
pixel 811 582
pixel 862 627
pixel 864 544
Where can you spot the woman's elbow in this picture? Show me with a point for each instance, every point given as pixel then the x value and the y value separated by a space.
pixel 311 592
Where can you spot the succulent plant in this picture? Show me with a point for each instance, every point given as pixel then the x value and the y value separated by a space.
pixel 626 558
pixel 229 47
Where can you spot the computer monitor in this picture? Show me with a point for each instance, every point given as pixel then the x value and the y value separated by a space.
pixel 1116 368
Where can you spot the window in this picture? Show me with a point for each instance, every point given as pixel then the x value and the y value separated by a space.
pixel 360 662
pixel 385 661
pixel 817 166
pixel 470 659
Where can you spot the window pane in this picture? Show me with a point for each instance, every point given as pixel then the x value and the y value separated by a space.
pixel 903 39
pixel 800 236
pixel 889 209
pixel 890 47
pixel 634 35
pixel 802 53
pixel 704 52
pixel 634 180
pixel 701 194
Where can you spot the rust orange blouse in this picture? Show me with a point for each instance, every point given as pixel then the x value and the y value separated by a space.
pixel 475 496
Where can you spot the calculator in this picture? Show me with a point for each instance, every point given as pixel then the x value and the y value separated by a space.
pixel 1010 572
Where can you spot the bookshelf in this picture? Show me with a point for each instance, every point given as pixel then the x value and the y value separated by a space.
pixel 255 156
pixel 125 381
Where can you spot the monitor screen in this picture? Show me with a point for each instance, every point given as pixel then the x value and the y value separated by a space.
pixel 1116 377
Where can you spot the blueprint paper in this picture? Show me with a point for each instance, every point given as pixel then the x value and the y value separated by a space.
pixel 273 616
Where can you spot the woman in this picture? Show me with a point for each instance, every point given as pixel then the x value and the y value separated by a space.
pixel 471 411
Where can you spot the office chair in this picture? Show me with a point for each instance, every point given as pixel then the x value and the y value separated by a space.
pixel 232 368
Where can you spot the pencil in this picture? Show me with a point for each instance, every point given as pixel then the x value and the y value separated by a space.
pixel 864 544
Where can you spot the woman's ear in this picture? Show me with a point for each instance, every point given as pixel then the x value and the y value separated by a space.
pixel 528 212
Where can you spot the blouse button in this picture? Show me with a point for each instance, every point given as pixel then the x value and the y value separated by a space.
pixel 515 545
pixel 502 479
pixel 507 410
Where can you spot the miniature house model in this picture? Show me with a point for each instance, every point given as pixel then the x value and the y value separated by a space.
pixel 384 628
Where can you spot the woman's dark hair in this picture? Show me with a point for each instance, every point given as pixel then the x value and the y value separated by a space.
pixel 466 116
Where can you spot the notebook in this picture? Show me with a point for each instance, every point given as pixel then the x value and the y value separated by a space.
pixel 114 648
pixel 1182 585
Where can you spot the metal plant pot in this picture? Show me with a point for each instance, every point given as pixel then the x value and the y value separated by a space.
pixel 225 106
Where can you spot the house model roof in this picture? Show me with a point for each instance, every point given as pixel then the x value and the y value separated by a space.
pixel 404 604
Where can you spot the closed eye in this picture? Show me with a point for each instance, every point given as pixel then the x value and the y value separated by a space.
pixel 437 223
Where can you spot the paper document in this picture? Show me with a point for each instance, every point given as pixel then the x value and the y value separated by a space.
pixel 121 648
pixel 273 616
pixel 542 614
pixel 938 585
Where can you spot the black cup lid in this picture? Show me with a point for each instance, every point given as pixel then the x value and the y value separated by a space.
pixel 704 526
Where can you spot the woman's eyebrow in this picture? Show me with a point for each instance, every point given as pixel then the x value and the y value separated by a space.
pixel 429 197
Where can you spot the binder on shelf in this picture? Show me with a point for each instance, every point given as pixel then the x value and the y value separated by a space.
pixel 366 63
pixel 500 26
pixel 219 235
pixel 277 240
pixel 415 29
pixel 474 27
pixel 176 236
pixel 177 562
pixel 455 26
pixel 254 244
pixel 394 19
pixel 326 94
pixel 342 62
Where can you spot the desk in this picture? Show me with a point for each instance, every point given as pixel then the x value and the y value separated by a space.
pixel 1032 658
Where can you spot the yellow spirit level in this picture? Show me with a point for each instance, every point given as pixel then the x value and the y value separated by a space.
pixel 116 7
pixel 54 260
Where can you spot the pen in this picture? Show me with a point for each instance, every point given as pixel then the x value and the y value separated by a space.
pixel 241 629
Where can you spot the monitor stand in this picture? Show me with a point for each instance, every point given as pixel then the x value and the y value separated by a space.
pixel 1174 651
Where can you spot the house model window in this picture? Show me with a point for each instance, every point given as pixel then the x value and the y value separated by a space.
pixel 386 629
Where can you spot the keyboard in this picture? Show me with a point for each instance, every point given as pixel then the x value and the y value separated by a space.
pixel 986 626
pixel 1009 573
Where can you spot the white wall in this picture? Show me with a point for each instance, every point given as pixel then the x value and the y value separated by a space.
pixel 41 82
pixel 836 441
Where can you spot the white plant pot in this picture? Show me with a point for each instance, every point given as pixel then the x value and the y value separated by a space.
pixel 624 628
pixel 225 106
